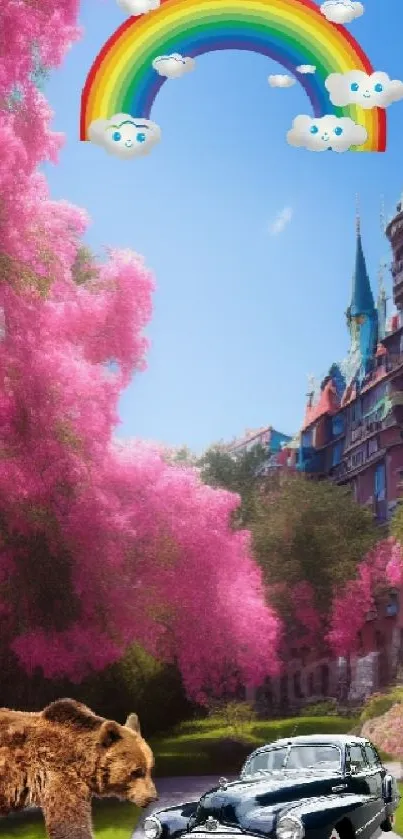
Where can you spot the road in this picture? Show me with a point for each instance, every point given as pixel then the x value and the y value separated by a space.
pixel 176 790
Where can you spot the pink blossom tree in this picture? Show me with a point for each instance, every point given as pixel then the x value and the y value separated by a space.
pixel 386 731
pixel 102 544
pixel 381 567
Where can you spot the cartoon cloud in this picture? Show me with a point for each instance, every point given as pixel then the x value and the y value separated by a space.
pixel 138 7
pixel 173 66
pixel 281 80
pixel 328 133
pixel 125 136
pixel 341 11
pixel 358 88
pixel 306 68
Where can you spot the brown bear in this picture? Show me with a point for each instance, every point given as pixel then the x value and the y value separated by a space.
pixel 57 759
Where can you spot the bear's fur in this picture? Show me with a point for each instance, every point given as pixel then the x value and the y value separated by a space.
pixel 57 759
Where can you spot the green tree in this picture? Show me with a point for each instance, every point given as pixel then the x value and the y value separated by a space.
pixel 311 531
pixel 236 473
pixel 396 526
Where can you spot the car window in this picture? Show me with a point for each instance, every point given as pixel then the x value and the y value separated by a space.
pixel 356 758
pixel 301 756
pixel 371 755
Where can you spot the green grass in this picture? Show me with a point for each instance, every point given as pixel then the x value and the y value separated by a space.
pixel 112 820
pixel 190 749
pixel 398 826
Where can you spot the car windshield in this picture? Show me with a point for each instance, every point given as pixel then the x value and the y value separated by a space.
pixel 294 757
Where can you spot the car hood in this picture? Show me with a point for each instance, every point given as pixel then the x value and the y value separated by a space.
pixel 245 801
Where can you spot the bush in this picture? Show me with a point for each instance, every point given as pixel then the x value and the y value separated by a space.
pixel 237 716
pixel 326 708
pixel 377 704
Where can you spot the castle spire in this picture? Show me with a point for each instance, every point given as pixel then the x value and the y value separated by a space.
pixel 362 316
pixel 357 215
pixel 362 301
pixel 381 304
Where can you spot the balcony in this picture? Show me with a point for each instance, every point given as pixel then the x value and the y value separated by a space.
pixel 355 463
pixel 364 428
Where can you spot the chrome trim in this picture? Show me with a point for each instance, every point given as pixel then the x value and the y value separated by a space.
pixel 198 834
pixel 367 824
pixel 339 788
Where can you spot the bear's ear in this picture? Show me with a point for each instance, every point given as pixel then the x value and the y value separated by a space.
pixel 133 723
pixel 109 734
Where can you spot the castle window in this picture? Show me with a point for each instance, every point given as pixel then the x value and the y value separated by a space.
pixel 357 459
pixel 380 482
pixel 337 425
pixel 337 451
pixel 356 412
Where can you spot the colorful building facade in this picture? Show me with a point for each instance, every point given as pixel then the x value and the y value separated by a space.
pixel 353 432
pixel 353 435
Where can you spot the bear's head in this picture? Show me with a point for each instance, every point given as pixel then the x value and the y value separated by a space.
pixel 116 761
pixel 125 763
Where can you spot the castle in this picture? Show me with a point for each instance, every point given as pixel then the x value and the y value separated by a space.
pixel 352 434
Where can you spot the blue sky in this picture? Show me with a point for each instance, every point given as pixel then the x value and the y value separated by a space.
pixel 240 316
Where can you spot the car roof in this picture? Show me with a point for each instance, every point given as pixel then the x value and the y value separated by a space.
pixel 310 739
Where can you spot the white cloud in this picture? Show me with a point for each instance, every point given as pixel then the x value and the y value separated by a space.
pixel 306 68
pixel 326 133
pixel 125 136
pixel 341 11
pixel 281 80
pixel 138 7
pixel 173 66
pixel 358 88
pixel 281 221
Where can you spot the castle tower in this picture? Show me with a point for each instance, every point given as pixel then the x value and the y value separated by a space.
pixel 362 316
pixel 381 306
pixel 394 232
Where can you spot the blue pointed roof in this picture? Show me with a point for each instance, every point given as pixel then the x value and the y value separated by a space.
pixel 362 300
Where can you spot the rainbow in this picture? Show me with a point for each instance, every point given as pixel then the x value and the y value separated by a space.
pixel 292 32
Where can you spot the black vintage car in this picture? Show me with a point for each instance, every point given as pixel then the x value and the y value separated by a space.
pixel 318 787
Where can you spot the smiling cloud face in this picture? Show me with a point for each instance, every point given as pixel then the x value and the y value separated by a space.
pixel 173 66
pixel 125 136
pixel 281 81
pixel 329 133
pixel 358 88
pixel 341 11
pixel 306 68
pixel 138 7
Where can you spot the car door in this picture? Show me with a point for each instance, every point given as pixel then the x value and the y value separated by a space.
pixel 365 779
pixel 376 771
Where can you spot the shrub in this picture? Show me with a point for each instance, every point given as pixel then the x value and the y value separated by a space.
pixel 377 704
pixel 235 715
pixel 327 708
